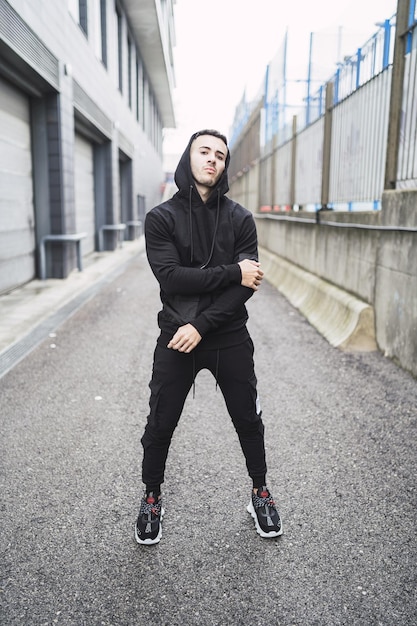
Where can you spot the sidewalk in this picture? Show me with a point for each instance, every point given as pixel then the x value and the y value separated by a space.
pixel 31 311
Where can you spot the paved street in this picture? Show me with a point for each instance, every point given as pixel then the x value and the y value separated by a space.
pixel 342 456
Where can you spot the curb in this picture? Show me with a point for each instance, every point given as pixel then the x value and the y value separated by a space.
pixel 345 321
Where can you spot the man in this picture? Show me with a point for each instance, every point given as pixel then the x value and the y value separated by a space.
pixel 202 249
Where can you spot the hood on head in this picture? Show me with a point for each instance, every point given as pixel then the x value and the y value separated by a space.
pixel 183 176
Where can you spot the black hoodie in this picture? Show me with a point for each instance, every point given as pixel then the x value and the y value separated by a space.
pixel 193 249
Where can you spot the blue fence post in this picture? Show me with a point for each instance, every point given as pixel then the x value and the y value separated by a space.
pixel 336 86
pixel 387 42
pixel 374 47
pixel 321 100
pixel 411 20
pixel 358 67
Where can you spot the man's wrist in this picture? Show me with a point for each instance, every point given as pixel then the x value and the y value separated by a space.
pixel 235 273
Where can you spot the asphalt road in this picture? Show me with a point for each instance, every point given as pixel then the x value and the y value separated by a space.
pixel 342 456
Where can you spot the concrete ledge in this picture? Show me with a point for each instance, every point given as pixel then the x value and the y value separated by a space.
pixel 345 321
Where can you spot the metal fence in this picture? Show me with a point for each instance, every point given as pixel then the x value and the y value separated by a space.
pixel 359 139
pixel 407 154
pixel 334 154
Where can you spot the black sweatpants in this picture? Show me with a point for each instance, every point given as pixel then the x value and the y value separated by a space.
pixel 172 377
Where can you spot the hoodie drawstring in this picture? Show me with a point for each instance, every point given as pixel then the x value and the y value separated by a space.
pixel 216 225
pixel 190 215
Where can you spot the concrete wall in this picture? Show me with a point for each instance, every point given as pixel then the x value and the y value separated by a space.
pixel 395 299
pixel 244 189
pixel 376 268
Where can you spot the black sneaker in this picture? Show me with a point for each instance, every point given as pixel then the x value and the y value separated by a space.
pixel 263 510
pixel 148 528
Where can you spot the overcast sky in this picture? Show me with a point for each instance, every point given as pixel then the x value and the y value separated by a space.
pixel 223 47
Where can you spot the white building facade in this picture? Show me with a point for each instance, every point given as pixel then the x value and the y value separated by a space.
pixel 85 92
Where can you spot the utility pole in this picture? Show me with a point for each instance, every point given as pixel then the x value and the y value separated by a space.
pixel 327 146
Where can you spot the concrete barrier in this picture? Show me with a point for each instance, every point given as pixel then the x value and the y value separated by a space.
pixel 345 321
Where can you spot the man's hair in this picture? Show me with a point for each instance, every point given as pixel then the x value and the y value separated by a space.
pixel 208 131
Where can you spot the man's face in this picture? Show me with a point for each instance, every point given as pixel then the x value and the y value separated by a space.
pixel 207 159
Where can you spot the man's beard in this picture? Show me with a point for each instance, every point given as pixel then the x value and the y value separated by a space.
pixel 207 183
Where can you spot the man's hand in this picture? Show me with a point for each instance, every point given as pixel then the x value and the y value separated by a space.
pixel 251 273
pixel 185 339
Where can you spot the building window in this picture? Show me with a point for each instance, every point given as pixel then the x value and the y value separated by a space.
pixel 129 72
pixel 144 92
pixel 78 10
pixel 103 22
pixel 120 47
pixel 137 90
pixel 83 15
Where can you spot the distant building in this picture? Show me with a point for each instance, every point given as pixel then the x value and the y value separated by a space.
pixel 85 91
